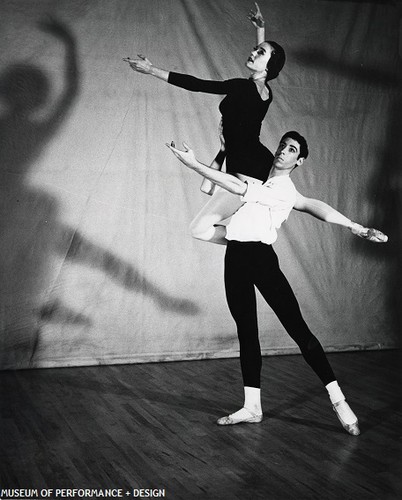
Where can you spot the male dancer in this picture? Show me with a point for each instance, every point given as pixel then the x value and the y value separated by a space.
pixel 251 261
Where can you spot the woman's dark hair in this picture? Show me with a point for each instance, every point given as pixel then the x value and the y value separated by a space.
pixel 300 139
pixel 276 61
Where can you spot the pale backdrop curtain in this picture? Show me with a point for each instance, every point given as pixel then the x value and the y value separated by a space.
pixel 96 261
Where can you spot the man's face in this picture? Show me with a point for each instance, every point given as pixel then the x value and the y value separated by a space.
pixel 286 156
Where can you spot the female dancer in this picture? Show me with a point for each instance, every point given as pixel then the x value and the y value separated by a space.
pixel 243 109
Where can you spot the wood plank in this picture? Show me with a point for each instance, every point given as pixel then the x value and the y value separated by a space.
pixel 153 426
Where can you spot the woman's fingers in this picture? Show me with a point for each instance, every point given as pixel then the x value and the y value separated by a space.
pixel 141 58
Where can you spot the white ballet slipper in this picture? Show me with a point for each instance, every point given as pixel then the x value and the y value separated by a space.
pixel 243 416
pixel 342 407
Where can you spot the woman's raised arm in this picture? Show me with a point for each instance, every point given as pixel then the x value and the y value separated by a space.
pixel 258 22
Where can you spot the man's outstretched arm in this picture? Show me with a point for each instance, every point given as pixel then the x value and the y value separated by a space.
pixel 326 213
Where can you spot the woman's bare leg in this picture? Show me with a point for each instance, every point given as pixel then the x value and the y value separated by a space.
pixel 208 224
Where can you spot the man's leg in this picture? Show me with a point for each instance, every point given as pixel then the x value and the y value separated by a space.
pixel 241 299
pixel 276 290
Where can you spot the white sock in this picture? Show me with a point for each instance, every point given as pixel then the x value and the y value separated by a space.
pixel 252 399
pixel 343 409
pixel 334 391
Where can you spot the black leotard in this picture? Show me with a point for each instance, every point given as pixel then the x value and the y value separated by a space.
pixel 242 113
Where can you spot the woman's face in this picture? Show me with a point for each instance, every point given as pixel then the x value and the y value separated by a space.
pixel 259 57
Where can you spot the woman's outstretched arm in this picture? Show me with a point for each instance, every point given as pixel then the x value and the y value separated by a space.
pixel 258 22
pixel 326 213
pixel 188 82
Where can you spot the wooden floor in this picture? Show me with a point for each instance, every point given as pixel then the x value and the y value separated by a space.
pixel 153 426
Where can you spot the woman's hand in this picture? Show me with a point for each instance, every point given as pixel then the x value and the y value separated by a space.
pixel 221 138
pixel 141 65
pixel 256 17
pixel 368 233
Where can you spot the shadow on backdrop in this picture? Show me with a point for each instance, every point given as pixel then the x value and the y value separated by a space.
pixel 81 251
pixel 28 215
pixel 30 231
pixel 384 191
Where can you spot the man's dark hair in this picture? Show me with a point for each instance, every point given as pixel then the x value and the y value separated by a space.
pixel 300 139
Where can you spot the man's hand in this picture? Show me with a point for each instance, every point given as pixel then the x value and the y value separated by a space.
pixel 368 233
pixel 222 179
pixel 187 156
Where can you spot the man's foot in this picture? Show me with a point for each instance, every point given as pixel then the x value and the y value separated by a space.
pixel 346 417
pixel 243 416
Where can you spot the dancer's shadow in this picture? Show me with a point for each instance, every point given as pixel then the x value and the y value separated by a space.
pixel 31 234
pixel 28 215
pixel 78 249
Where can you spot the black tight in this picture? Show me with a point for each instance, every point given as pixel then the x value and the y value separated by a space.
pixel 249 264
